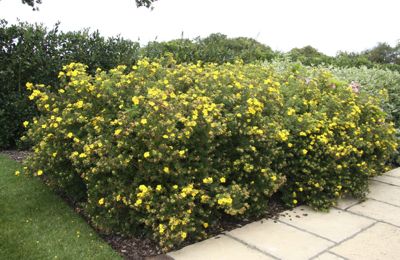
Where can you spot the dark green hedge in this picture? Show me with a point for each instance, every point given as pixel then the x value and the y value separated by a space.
pixel 32 53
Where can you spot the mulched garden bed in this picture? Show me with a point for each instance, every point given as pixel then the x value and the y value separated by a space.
pixel 138 248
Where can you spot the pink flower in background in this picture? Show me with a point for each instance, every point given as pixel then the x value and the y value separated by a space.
pixel 354 86
pixel 333 86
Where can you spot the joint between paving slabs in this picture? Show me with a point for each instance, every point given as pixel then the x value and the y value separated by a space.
pixel 344 240
pixel 250 246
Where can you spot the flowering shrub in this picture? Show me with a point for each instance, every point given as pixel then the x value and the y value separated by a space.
pixel 165 149
pixel 168 149
pixel 338 140
pixel 381 84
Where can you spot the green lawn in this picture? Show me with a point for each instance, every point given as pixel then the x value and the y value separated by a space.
pixel 37 224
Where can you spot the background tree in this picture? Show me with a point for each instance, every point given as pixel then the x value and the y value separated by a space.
pixel 396 53
pixel 381 53
pixel 32 3
pixel 351 59
pixel 310 56
pixel 306 52
pixel 139 3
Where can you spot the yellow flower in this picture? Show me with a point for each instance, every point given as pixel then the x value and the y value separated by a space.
pixel 222 180
pixel 295 201
pixel 146 154
pixel 166 169
pixel 143 121
pixel 290 144
pixel 161 228
pixel 305 151
pixel 101 201
pixel 158 187
pixel 175 187
pixel 54 154
pixel 70 135
pixel 273 178
pixel 181 152
pixel 143 188
pixel 29 86
pixel 300 119
pixel 44 126
pixel 303 134
pixel 17 173
pixel 208 180
pixel 118 131
pixel 300 189
pixel 205 225
pixel 40 172
pixel 26 124
pixel 317 185
pixel 291 111
pixel 183 235
pixel 118 197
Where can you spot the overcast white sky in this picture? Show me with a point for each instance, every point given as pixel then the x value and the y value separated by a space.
pixel 327 25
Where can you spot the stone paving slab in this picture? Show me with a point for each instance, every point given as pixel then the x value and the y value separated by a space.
pixel 380 242
pixel 224 248
pixel 377 210
pixel 329 256
pixel 336 225
pixel 393 173
pixel 384 192
pixel 388 179
pixel 280 240
pixel 346 202
pixel 352 230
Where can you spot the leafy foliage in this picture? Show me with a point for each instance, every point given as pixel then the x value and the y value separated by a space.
pixel 31 53
pixel 168 148
pixel 384 53
pixel 378 83
pixel 139 3
pixel 32 4
pixel 216 48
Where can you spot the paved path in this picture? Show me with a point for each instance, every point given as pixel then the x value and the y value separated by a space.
pixel 352 230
